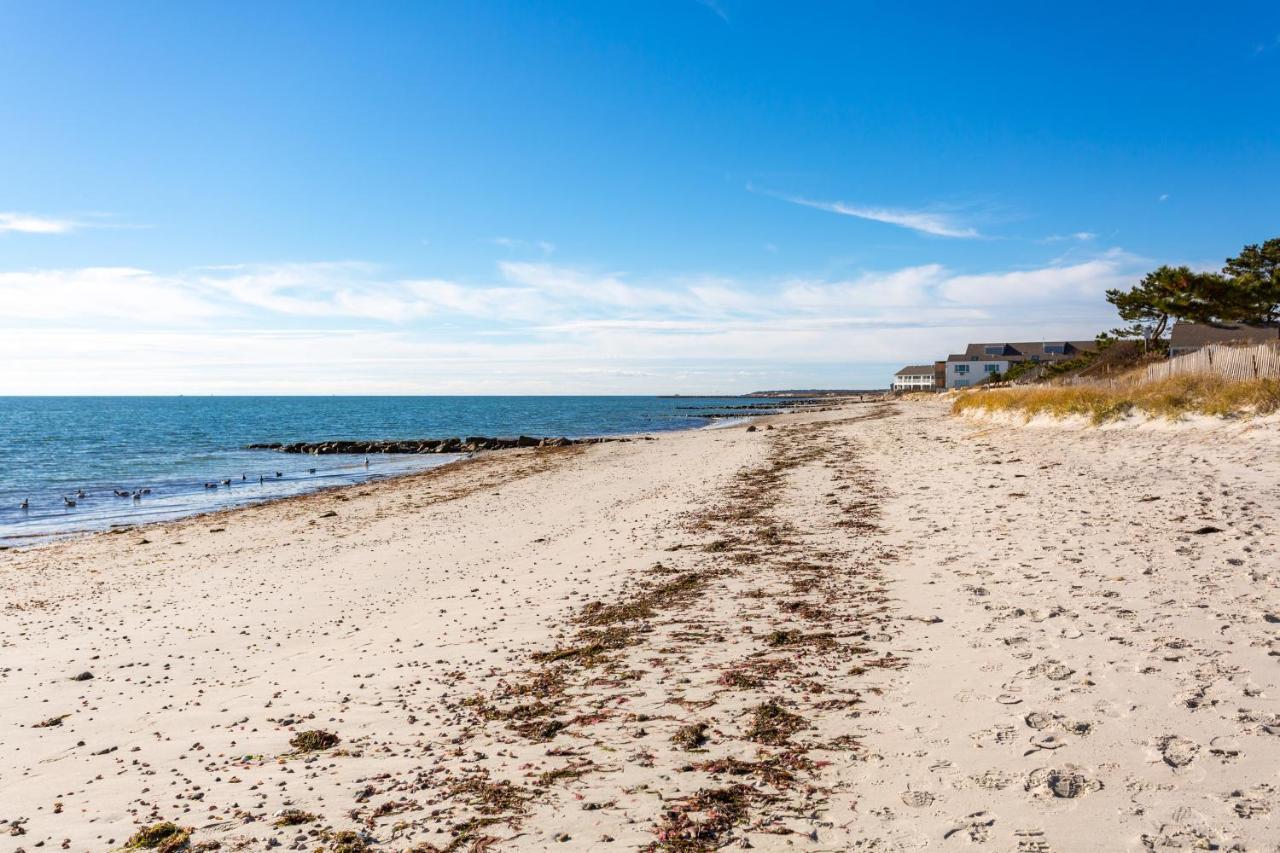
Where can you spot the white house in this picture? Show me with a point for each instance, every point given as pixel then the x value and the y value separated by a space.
pixel 915 377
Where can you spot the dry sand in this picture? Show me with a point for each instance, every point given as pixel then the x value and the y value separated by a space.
pixel 880 628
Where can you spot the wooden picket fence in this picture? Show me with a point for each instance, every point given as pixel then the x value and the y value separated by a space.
pixel 1250 362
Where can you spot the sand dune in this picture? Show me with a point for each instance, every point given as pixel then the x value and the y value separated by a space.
pixel 878 628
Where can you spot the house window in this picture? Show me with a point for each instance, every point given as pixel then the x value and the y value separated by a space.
pixel 962 383
pixel 1055 349
pixel 994 350
pixel 991 368
pixel 962 368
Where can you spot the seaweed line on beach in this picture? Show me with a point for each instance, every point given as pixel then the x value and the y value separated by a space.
pixel 797 596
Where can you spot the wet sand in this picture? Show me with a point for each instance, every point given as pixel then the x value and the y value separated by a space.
pixel 878 628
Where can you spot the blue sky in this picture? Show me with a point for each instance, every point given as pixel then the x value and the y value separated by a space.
pixel 597 197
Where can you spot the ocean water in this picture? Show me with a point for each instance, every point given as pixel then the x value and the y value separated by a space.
pixel 55 447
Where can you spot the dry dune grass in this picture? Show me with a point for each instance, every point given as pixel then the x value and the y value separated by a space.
pixel 1170 398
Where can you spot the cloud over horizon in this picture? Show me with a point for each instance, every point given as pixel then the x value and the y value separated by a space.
pixel 352 327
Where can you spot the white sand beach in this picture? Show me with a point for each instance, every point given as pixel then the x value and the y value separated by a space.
pixel 877 628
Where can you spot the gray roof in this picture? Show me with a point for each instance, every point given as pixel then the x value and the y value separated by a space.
pixel 1020 351
pixel 1203 334
pixel 915 370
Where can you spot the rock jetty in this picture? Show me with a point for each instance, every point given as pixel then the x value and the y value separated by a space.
pixel 471 444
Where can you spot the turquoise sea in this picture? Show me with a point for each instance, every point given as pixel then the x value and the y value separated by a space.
pixel 53 448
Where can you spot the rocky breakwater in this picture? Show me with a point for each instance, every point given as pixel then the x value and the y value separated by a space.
pixel 471 444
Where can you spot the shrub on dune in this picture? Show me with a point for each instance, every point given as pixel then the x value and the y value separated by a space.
pixel 1172 398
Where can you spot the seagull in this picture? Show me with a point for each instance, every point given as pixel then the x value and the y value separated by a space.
pixel 81 494
pixel 66 500
pixel 146 491
pixel 121 494
pixel 137 496
pixel 260 479
pixel 278 474
pixel 211 485
pixel 24 505
pixel 311 470
pixel 226 483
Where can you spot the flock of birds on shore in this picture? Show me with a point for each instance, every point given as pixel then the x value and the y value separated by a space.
pixel 138 494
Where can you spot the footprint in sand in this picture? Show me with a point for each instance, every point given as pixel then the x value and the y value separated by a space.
pixel 1224 748
pixel 1048 741
pixel 916 799
pixel 1177 751
pixel 975 827
pixel 1188 831
pixel 1055 671
pixel 1065 783
pixel 1038 721
pixel 1247 807
pixel 1031 841
pixel 993 780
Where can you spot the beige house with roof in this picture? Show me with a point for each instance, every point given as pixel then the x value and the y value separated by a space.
pixel 1189 337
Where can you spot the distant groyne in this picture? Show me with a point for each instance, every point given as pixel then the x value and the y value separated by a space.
pixel 471 444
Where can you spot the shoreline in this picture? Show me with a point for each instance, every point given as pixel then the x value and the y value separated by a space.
pixel 880 626
pixel 37 539
pixel 101 449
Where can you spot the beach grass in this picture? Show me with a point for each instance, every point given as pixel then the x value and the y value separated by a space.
pixel 1172 399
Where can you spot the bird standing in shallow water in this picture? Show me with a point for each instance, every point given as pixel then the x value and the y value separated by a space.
pixel 24 505
pixel 66 500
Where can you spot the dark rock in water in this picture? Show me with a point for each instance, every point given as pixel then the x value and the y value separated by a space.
pixel 471 444
pixel 84 676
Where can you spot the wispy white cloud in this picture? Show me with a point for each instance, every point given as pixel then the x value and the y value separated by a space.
pixel 1081 236
pixel 30 223
pixel 1084 282
pixel 543 246
pixel 716 8
pixel 116 294
pixel 532 327
pixel 929 222
pixel 27 223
